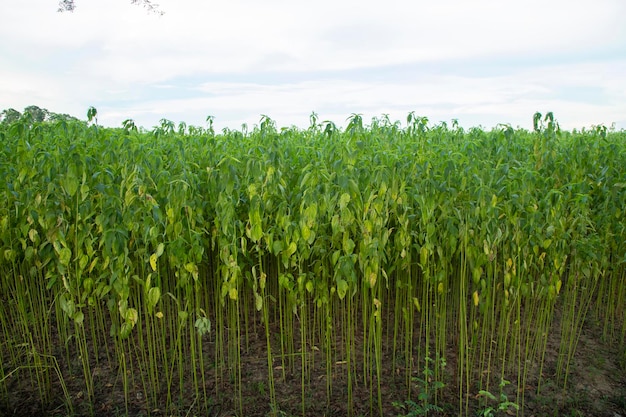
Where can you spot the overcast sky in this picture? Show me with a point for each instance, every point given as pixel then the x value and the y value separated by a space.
pixel 482 62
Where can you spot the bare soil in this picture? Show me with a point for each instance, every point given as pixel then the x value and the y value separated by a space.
pixel 596 386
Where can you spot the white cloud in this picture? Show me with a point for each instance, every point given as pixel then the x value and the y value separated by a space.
pixel 286 59
pixel 487 101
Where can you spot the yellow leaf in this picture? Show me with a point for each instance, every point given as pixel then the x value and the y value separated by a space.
pixel 153 261
pixel 93 264
pixel 417 304
pixel 232 293
pixel 262 280
pixel 475 297
pixel 131 316
pixel 372 279
pixel 159 315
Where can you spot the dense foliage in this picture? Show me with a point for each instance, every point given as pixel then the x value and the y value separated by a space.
pixel 151 244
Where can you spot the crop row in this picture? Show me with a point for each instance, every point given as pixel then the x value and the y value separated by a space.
pixel 419 240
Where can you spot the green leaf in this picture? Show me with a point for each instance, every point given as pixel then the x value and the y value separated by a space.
pixel 70 183
pixel 65 255
pixel 258 301
pixel 277 247
pixel 192 268
pixel 487 394
pixel 344 200
pixel 342 288
pixel 160 249
pixel 83 261
pixel 131 316
pixel 84 192
pixel 88 285
pixel 291 249
pixel 203 326
pixel 256 230
pixel 416 303
pixel 178 228
pixel 348 244
pixel 305 231
pixel 67 306
pixel 91 113
pixel 79 318
pixel 154 295
pixel 9 255
pixel 129 197
pixel 126 329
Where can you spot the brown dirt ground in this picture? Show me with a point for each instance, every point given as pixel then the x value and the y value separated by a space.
pixel 597 387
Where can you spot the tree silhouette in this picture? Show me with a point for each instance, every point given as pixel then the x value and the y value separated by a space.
pixel 69 6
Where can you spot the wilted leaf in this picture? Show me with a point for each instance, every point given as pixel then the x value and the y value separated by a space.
pixel 153 261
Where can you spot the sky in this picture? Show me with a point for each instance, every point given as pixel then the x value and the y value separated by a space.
pixel 480 62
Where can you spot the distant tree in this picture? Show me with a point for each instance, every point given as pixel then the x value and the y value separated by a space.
pixel 9 116
pixel 57 117
pixel 69 6
pixel 37 114
pixel 33 114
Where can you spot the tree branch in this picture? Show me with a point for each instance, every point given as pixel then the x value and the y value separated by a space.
pixel 69 6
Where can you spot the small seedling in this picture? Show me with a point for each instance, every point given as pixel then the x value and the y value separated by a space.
pixel 427 389
pixel 502 404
